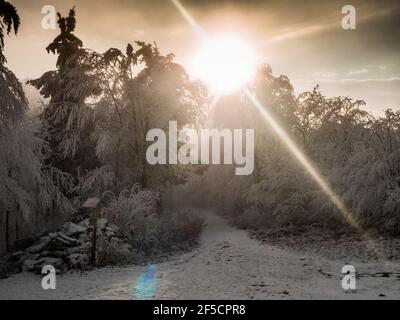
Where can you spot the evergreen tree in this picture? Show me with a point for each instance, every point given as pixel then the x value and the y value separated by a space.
pixel 13 101
pixel 67 118
pixel 9 20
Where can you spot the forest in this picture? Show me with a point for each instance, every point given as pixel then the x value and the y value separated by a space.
pixel 87 139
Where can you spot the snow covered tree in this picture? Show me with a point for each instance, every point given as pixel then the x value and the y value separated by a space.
pixel 68 118
pixel 132 103
pixel 9 20
pixel 28 191
pixel 13 101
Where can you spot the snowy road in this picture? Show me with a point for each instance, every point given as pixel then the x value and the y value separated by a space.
pixel 226 265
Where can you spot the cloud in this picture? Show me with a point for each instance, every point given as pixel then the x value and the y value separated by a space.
pixel 296 33
pixel 328 74
pixel 139 32
pixel 355 72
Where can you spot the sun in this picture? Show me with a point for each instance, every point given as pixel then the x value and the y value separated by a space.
pixel 224 63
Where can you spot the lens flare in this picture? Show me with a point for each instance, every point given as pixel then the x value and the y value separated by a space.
pixel 145 285
pixel 292 147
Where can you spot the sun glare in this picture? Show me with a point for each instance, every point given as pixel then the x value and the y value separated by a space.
pixel 224 63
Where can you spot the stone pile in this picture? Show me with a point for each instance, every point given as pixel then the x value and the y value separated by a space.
pixel 70 248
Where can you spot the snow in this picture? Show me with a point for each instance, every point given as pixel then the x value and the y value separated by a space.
pixel 226 265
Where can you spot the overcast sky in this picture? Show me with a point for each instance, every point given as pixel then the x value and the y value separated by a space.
pixel 301 39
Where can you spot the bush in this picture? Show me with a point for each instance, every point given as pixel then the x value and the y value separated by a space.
pixel 174 230
pixel 150 231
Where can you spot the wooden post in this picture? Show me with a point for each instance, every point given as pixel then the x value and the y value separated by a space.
pixel 93 204
pixel 94 238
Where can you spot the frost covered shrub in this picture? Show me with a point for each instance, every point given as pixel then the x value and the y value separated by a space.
pixel 110 253
pixel 166 233
pixel 391 211
pixel 132 206
pixel 372 189
pixel 286 197
pixel 150 231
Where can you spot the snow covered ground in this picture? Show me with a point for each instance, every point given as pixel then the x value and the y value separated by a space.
pixel 226 265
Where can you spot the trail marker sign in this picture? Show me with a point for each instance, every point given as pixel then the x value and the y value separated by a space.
pixel 93 204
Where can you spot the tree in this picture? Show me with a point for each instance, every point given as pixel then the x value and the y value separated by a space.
pixel 132 103
pixel 27 188
pixel 67 119
pixel 13 104
pixel 310 106
pixel 9 20
pixel 276 94
pixel 13 101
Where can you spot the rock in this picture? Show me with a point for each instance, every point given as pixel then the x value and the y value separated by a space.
pixel 53 235
pixel 56 254
pixel 74 250
pixel 29 265
pixel 71 229
pixel 84 223
pixel 57 263
pixel 80 249
pixel 45 239
pixel 44 253
pixel 29 256
pixel 22 244
pixel 38 247
pixel 101 223
pixel 17 256
pixel 71 241
pixel 52 254
pixel 70 247
pixel 84 237
pixel 78 261
pixel 62 242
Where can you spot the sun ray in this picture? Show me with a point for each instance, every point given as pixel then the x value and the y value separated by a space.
pixel 300 156
pixel 294 150
pixel 188 17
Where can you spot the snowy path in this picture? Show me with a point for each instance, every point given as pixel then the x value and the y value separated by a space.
pixel 226 265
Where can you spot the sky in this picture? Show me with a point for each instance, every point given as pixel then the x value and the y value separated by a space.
pixel 303 40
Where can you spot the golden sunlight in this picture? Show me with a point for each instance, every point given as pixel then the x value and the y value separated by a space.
pixel 224 63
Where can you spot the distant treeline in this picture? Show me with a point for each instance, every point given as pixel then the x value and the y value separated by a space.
pixel 356 153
